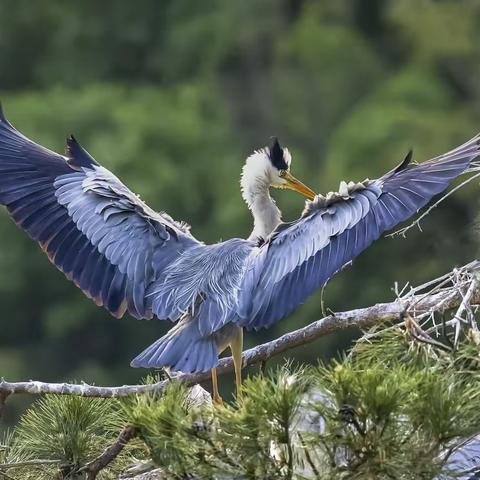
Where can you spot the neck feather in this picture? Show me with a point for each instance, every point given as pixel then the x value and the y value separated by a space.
pixel 255 191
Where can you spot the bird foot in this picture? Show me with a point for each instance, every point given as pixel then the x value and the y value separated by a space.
pixel 217 400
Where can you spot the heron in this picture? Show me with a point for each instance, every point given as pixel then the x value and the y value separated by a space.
pixel 131 259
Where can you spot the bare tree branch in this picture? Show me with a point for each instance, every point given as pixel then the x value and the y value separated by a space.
pixel 464 307
pixel 439 298
pixel 93 468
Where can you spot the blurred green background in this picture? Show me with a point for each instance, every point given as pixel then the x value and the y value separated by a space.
pixel 173 95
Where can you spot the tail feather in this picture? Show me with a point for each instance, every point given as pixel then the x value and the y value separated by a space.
pixel 182 349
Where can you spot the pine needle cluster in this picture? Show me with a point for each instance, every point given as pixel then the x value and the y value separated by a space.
pixel 394 408
pixel 59 434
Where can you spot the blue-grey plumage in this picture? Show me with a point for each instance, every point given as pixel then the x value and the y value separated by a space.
pixel 129 258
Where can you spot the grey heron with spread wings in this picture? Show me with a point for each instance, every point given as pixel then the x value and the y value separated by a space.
pixel 129 258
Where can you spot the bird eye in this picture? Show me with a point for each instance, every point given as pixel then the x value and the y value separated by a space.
pixel 282 173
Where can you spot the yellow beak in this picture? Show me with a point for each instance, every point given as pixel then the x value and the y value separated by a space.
pixel 298 186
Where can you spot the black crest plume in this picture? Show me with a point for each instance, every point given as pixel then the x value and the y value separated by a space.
pixel 276 156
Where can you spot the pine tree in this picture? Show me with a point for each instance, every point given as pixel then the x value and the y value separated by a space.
pixel 397 407
pixel 403 404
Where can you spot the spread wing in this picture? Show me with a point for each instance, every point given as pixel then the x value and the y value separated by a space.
pixel 300 257
pixel 92 227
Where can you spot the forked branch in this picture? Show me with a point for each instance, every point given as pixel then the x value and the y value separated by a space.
pixel 93 468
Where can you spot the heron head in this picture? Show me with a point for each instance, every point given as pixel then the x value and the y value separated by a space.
pixel 281 177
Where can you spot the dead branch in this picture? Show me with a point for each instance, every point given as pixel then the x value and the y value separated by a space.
pixel 439 298
pixel 464 307
pixel 93 468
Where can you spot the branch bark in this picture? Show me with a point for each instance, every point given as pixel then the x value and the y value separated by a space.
pixel 441 301
pixel 94 467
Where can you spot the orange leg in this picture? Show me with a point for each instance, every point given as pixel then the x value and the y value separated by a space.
pixel 236 347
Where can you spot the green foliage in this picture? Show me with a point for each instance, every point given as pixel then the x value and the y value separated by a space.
pixel 75 426
pixel 164 422
pixel 394 409
pixel 62 433
pixel 264 420
pixel 186 438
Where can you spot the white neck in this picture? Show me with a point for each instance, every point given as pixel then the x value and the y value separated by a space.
pixel 255 185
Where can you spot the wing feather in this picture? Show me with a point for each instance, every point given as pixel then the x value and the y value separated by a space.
pixel 101 235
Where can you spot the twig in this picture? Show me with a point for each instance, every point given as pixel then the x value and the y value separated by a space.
pixel 308 457
pixel 464 306
pixel 93 468
pixel 440 301
pixel 421 336
pixel 417 221
pixel 6 476
pixel 468 301
pixel 475 264
pixel 28 463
